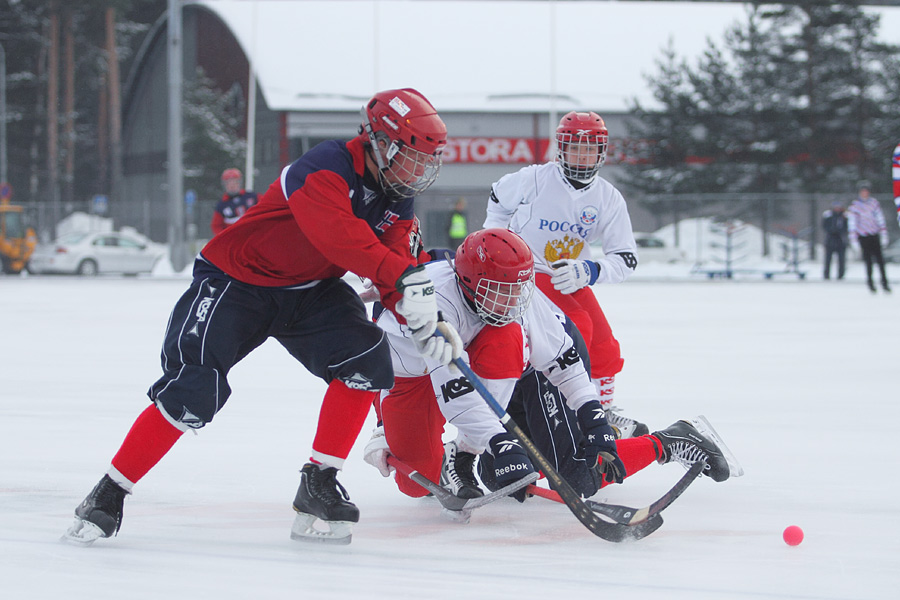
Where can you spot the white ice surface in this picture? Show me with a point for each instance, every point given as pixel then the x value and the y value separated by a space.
pixel 800 378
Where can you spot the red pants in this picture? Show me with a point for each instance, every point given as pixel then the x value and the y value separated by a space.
pixel 413 426
pixel 584 310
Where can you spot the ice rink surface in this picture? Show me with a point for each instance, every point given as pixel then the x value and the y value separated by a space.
pixel 799 377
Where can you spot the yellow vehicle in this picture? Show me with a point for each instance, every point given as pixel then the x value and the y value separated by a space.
pixel 17 241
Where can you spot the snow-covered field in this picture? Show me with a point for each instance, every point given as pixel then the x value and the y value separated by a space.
pixel 799 377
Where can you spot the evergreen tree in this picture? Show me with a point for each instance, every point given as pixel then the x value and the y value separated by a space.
pixel 24 35
pixel 800 99
pixel 211 124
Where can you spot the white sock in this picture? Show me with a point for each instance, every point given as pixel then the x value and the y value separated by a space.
pixel 606 387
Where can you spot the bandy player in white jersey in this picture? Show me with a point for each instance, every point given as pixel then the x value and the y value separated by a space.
pixel 559 208
pixel 487 296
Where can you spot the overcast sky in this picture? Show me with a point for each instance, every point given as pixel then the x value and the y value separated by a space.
pixel 468 55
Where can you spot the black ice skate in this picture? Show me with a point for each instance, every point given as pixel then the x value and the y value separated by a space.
pixel 320 496
pixel 99 515
pixel 687 442
pixel 623 426
pixel 458 472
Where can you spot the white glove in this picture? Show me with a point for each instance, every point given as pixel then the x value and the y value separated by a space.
pixel 444 346
pixel 418 305
pixel 377 451
pixel 370 293
pixel 571 275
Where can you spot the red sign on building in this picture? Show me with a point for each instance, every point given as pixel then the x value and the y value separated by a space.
pixel 502 150
pixel 495 150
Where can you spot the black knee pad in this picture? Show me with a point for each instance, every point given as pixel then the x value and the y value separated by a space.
pixel 192 395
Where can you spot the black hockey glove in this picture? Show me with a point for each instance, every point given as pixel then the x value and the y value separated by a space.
pixel 511 463
pixel 600 441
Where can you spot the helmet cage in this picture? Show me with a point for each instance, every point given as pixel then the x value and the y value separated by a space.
pixel 232 181
pixel 407 138
pixel 495 271
pixel 403 172
pixel 581 144
pixel 571 150
pixel 499 302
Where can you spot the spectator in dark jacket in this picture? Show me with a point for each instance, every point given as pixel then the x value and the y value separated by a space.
pixel 834 223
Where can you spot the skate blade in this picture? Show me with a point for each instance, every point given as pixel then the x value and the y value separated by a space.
pixel 304 529
pixel 82 533
pixel 705 427
pixel 457 516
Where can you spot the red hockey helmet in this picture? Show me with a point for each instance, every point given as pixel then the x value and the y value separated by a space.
pixel 581 142
pixel 495 270
pixel 407 137
pixel 231 174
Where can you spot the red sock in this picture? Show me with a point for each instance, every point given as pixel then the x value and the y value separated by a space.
pixel 636 453
pixel 341 418
pixel 149 439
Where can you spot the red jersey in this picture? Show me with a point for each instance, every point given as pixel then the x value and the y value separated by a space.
pixel 319 221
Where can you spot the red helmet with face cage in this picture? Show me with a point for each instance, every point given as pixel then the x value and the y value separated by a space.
pixel 495 270
pixel 581 143
pixel 407 137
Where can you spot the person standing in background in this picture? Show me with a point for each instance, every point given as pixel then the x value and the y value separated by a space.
pixel 459 227
pixel 868 232
pixel 895 161
pixel 234 203
pixel 834 223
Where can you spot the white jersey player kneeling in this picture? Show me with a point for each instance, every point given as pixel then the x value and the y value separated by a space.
pixel 488 296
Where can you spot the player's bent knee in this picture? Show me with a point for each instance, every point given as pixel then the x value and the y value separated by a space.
pixel 192 396
pixel 410 487
pixel 369 370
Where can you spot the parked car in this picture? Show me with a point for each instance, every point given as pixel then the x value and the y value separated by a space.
pixel 96 253
pixel 651 248
pixel 892 252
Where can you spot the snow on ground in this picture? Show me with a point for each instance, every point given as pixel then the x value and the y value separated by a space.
pixel 799 377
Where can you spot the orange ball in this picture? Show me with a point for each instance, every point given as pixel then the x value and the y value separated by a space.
pixel 792 535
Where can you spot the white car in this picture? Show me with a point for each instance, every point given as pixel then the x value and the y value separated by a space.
pixel 651 248
pixel 96 253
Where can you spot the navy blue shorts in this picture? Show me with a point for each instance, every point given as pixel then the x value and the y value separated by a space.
pixel 218 321
pixel 539 408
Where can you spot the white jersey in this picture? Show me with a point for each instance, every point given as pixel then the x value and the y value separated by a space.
pixel 558 221
pixel 548 348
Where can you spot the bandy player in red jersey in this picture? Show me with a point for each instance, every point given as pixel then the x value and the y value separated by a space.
pixel 559 208
pixel 343 206
pixel 895 172
pixel 234 203
pixel 487 294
